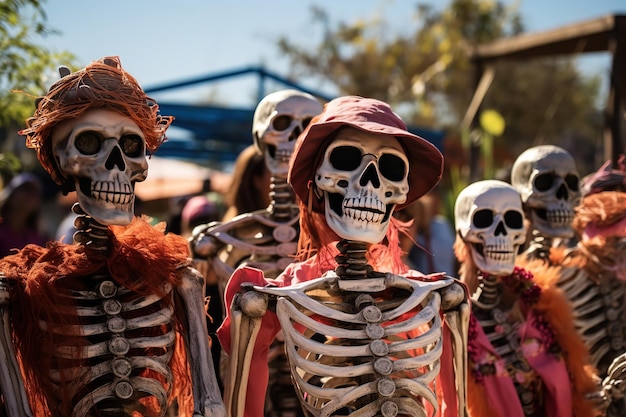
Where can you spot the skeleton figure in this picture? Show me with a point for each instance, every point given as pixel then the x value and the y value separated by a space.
pixel 364 335
pixel 593 277
pixel 265 239
pixel 525 358
pixel 114 324
pixel 547 179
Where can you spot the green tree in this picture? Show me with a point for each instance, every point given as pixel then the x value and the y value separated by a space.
pixel 547 101
pixel 24 65
pixel 428 75
pixel 427 72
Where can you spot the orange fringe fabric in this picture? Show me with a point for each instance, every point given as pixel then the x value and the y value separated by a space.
pixel 601 209
pixel 477 404
pixel 142 258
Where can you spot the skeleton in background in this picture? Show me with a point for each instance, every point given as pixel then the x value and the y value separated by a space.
pixel 384 328
pixel 593 276
pixel 265 239
pixel 547 179
pixel 525 356
pixel 113 324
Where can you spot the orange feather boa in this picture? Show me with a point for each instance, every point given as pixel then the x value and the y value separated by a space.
pixel 555 308
pixel 142 258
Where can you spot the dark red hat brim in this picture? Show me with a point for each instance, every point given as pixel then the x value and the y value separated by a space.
pixel 369 115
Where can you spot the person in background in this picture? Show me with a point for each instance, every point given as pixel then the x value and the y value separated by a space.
pixel 250 188
pixel 200 209
pixel 20 213
pixel 65 229
pixel 413 220
pixel 435 237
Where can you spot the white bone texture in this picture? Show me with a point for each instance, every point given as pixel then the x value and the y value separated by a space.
pixel 381 348
pixel 488 216
pixel 548 181
pixel 598 305
pixel 265 239
pixel 278 120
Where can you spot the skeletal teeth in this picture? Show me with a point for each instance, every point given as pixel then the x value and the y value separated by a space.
pixel 111 192
pixel 363 215
pixel 369 203
pixel 283 155
pixel 560 217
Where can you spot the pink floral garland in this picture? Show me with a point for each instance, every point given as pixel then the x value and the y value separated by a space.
pixel 521 281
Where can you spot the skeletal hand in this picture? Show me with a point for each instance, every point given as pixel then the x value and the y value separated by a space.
pixel 612 388
pixel 202 244
pixel 599 399
pixel 613 385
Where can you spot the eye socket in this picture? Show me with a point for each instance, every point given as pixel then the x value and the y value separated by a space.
pixel 514 219
pixel 345 158
pixel 572 182
pixel 482 218
pixel 543 182
pixel 88 143
pixel 306 121
pixel 132 145
pixel 392 167
pixel 282 122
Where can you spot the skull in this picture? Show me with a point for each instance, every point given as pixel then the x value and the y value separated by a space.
pixel 363 177
pixel 489 218
pixel 548 181
pixel 105 153
pixel 278 121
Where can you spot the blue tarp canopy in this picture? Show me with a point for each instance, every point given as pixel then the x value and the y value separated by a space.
pixel 216 135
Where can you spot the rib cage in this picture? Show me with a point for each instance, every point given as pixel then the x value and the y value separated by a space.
pixel 116 358
pixel 381 351
pixel 256 240
pixel 488 311
pixel 598 312
pixel 265 239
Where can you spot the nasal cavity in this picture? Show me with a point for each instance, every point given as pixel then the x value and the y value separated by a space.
pixel 115 159
pixel 370 175
pixel 562 193
pixel 295 133
pixel 500 229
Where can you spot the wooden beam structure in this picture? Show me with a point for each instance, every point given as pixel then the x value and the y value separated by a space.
pixel 604 34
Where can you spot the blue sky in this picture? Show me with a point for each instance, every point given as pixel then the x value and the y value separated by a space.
pixel 162 41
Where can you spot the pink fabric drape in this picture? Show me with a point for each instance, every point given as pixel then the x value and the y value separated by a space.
pixel 500 389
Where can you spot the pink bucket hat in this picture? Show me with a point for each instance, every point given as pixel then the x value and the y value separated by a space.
pixel 369 115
